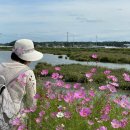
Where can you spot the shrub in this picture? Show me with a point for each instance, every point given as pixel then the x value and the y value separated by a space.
pixel 60 56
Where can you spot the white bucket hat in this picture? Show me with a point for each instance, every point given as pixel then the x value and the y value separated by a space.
pixel 24 49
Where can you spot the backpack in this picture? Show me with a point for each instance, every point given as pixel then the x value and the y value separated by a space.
pixel 7 105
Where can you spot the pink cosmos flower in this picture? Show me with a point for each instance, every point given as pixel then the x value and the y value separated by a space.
pixel 55 75
pixel 44 72
pixel 49 91
pixel 114 84
pixel 21 127
pixel 93 70
pixel 57 68
pixel 53 114
pixel 105 117
pixel 77 85
pixel 103 88
pixel 61 76
pixel 90 122
pixel 38 120
pixel 59 83
pixel 115 123
pixel 47 105
pixel 79 94
pixel 106 109
pixel 67 86
pixel 124 122
pixel 116 100
pixel 89 75
pixel 113 78
pixel 37 96
pixel 94 56
pixel 87 99
pixel 33 108
pixel 126 77
pixel 107 72
pixel 125 74
pixel 111 88
pixel 16 122
pixel 124 113
pixel 69 97
pixel 91 93
pixel 84 112
pixel 83 102
pixel 51 96
pixel 60 97
pixel 123 102
pixel 41 113
pixel 102 128
pixel 25 111
pixel 48 84
pixel 67 115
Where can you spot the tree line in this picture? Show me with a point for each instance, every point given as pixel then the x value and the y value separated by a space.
pixel 75 44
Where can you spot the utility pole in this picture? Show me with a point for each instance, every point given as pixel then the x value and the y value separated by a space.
pixel 96 39
pixel 67 37
pixel 73 40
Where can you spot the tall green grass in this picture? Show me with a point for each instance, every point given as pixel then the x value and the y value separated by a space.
pixel 76 73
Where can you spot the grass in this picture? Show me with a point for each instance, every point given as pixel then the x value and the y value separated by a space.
pixel 117 55
pixel 76 73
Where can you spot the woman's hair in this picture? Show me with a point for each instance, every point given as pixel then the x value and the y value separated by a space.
pixel 16 58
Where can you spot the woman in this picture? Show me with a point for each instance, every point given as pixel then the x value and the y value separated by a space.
pixel 21 79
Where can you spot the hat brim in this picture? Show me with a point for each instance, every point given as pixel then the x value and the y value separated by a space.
pixel 32 56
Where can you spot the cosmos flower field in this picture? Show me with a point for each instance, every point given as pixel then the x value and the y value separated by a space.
pixel 65 106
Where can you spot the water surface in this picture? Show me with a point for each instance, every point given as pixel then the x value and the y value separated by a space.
pixel 54 60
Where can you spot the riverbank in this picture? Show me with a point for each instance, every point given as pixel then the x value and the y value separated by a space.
pixel 5 48
pixel 76 73
pixel 113 55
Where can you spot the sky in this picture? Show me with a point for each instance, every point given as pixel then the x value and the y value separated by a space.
pixel 50 20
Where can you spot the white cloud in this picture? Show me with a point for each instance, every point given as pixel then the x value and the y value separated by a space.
pixel 51 20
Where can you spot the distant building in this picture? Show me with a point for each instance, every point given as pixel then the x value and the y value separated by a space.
pixel 5 46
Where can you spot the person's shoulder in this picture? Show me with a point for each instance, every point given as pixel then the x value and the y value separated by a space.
pixel 29 72
pixel 30 75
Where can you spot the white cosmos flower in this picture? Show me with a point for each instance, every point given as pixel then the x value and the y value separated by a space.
pixel 60 114
pixel 60 106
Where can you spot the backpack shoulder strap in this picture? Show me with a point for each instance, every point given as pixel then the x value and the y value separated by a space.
pixel 2 80
pixel 2 83
pixel 20 72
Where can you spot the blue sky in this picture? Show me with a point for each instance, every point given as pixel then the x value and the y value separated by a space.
pixel 50 20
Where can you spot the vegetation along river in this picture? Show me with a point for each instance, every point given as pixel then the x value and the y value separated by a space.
pixel 54 60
